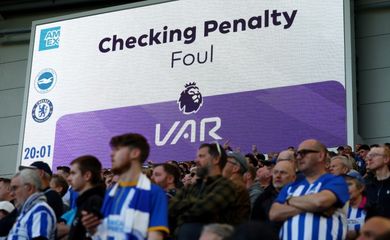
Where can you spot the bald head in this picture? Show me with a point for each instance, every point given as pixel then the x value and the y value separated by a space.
pixel 311 158
pixel 313 144
pixel 283 173
pixel 374 227
pixel 286 155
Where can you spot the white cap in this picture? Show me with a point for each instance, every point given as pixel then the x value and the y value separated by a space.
pixel 6 206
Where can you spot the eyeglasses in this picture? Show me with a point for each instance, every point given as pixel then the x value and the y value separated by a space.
pixel 372 155
pixel 232 162
pixel 302 153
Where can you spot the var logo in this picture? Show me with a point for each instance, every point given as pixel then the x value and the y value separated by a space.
pixel 189 130
pixel 49 38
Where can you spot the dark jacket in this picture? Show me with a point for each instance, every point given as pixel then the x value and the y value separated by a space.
pixel 90 201
pixel 378 198
pixel 55 202
pixel 262 207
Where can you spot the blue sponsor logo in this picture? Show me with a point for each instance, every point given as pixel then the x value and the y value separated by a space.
pixel 45 80
pixel 42 110
pixel 50 38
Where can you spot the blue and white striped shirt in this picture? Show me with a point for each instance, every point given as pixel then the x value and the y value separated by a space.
pixel 131 210
pixel 356 217
pixel 36 219
pixel 309 225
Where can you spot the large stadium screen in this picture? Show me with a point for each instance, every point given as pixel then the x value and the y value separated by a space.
pixel 182 73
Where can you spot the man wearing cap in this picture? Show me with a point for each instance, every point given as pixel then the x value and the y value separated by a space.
pixel 315 205
pixel 234 170
pixel 53 198
pixel 264 173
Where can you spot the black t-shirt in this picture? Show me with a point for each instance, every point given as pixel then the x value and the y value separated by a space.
pixel 55 202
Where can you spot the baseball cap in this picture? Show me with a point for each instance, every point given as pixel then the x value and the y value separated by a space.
pixel 38 165
pixel 268 162
pixel 240 159
pixel 356 175
pixel 6 206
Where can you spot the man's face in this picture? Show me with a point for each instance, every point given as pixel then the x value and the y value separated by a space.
pixel 264 173
pixel 337 167
pixel 19 191
pixel 5 191
pixel 230 167
pixel 282 174
pixel 363 153
pixel 307 156
pixel 62 173
pixel 203 161
pixel 160 177
pixel 120 157
pixel 376 159
pixel 76 178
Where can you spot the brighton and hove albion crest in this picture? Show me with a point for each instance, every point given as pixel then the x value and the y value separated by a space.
pixel 190 99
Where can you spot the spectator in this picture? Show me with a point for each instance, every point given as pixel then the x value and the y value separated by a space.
pixel 287 155
pixel 340 165
pixel 314 200
pixel 187 180
pixel 8 221
pixel 36 219
pixel 167 176
pixel 53 198
pixel 264 174
pixel 216 232
pixel 235 168
pixel 283 173
pixel 108 178
pixel 356 211
pixel 360 158
pixel 374 227
pixel 134 201
pixel 251 159
pixel 378 190
pixel 85 179
pixel 340 150
pixel 59 184
pixel 252 185
pixel 210 200
pixel 63 171
pixel 69 199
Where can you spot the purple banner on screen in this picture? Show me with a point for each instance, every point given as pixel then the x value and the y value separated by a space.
pixel 273 119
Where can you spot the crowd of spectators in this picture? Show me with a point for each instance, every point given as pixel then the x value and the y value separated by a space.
pixel 303 192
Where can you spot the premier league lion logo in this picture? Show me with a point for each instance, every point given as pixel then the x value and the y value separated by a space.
pixel 190 99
